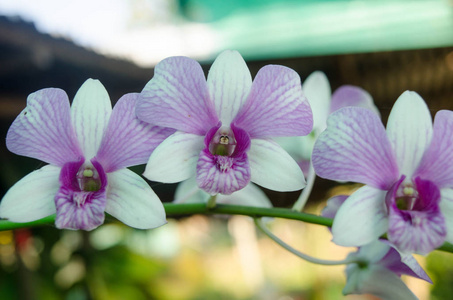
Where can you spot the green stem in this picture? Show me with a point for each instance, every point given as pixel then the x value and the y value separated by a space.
pixel 211 202
pixel 184 209
pixel 302 200
pixel 259 223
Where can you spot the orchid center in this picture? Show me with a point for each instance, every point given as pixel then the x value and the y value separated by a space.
pixel 406 197
pixel 88 178
pixel 223 142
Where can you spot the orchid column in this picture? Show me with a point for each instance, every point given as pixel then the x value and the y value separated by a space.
pixel 225 124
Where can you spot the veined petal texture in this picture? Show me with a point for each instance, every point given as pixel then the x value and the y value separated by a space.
pixel 229 83
pixel 175 159
pixel 127 140
pixel 43 130
pixel 276 105
pixel 349 95
pixel 71 215
pixel 446 207
pixel 32 197
pixel 90 112
pixel 222 174
pixel 437 162
pixel 361 219
pixel 355 147
pixel 410 129
pixel 273 168
pixel 317 90
pixel 177 97
pixel 132 201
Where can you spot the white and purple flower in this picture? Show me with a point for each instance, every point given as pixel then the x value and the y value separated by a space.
pixel 407 171
pixel 378 266
pixel 88 147
pixel 379 271
pixel 316 88
pixel 224 124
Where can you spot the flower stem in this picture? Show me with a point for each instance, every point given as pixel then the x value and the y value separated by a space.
pixel 183 209
pixel 302 200
pixel 259 223
pixel 211 202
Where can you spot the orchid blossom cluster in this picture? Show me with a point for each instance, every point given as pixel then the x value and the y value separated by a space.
pixel 218 137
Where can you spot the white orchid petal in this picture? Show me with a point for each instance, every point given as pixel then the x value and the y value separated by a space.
pixel 131 200
pixel 90 113
pixel 175 159
pixel 409 128
pixel 361 219
pixel 446 207
pixel 317 90
pixel 251 195
pixel 377 281
pixel 32 197
pixel 273 168
pixel 189 192
pixel 229 82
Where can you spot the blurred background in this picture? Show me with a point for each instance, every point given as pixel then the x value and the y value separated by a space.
pixel 385 47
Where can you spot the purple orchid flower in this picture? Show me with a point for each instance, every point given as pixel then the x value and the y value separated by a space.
pixel 380 270
pixel 88 147
pixel 316 88
pixel 407 170
pixel 379 266
pixel 225 124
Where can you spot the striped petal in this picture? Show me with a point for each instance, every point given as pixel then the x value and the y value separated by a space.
pixel 32 197
pixel 409 129
pixel 446 207
pixel 276 105
pixel 222 174
pixel 273 168
pixel 229 83
pixel 349 95
pixel 127 140
pixel 90 114
pixel 361 219
pixel 437 162
pixel 133 202
pixel 355 147
pixel 43 130
pixel 175 159
pixel 80 201
pixel 71 215
pixel 177 97
pixel 317 90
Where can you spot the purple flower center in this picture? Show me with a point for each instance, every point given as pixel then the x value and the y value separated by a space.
pixel 416 195
pixel 415 221
pixel 80 201
pixel 88 178
pixel 406 197
pixel 223 165
pixel 223 142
